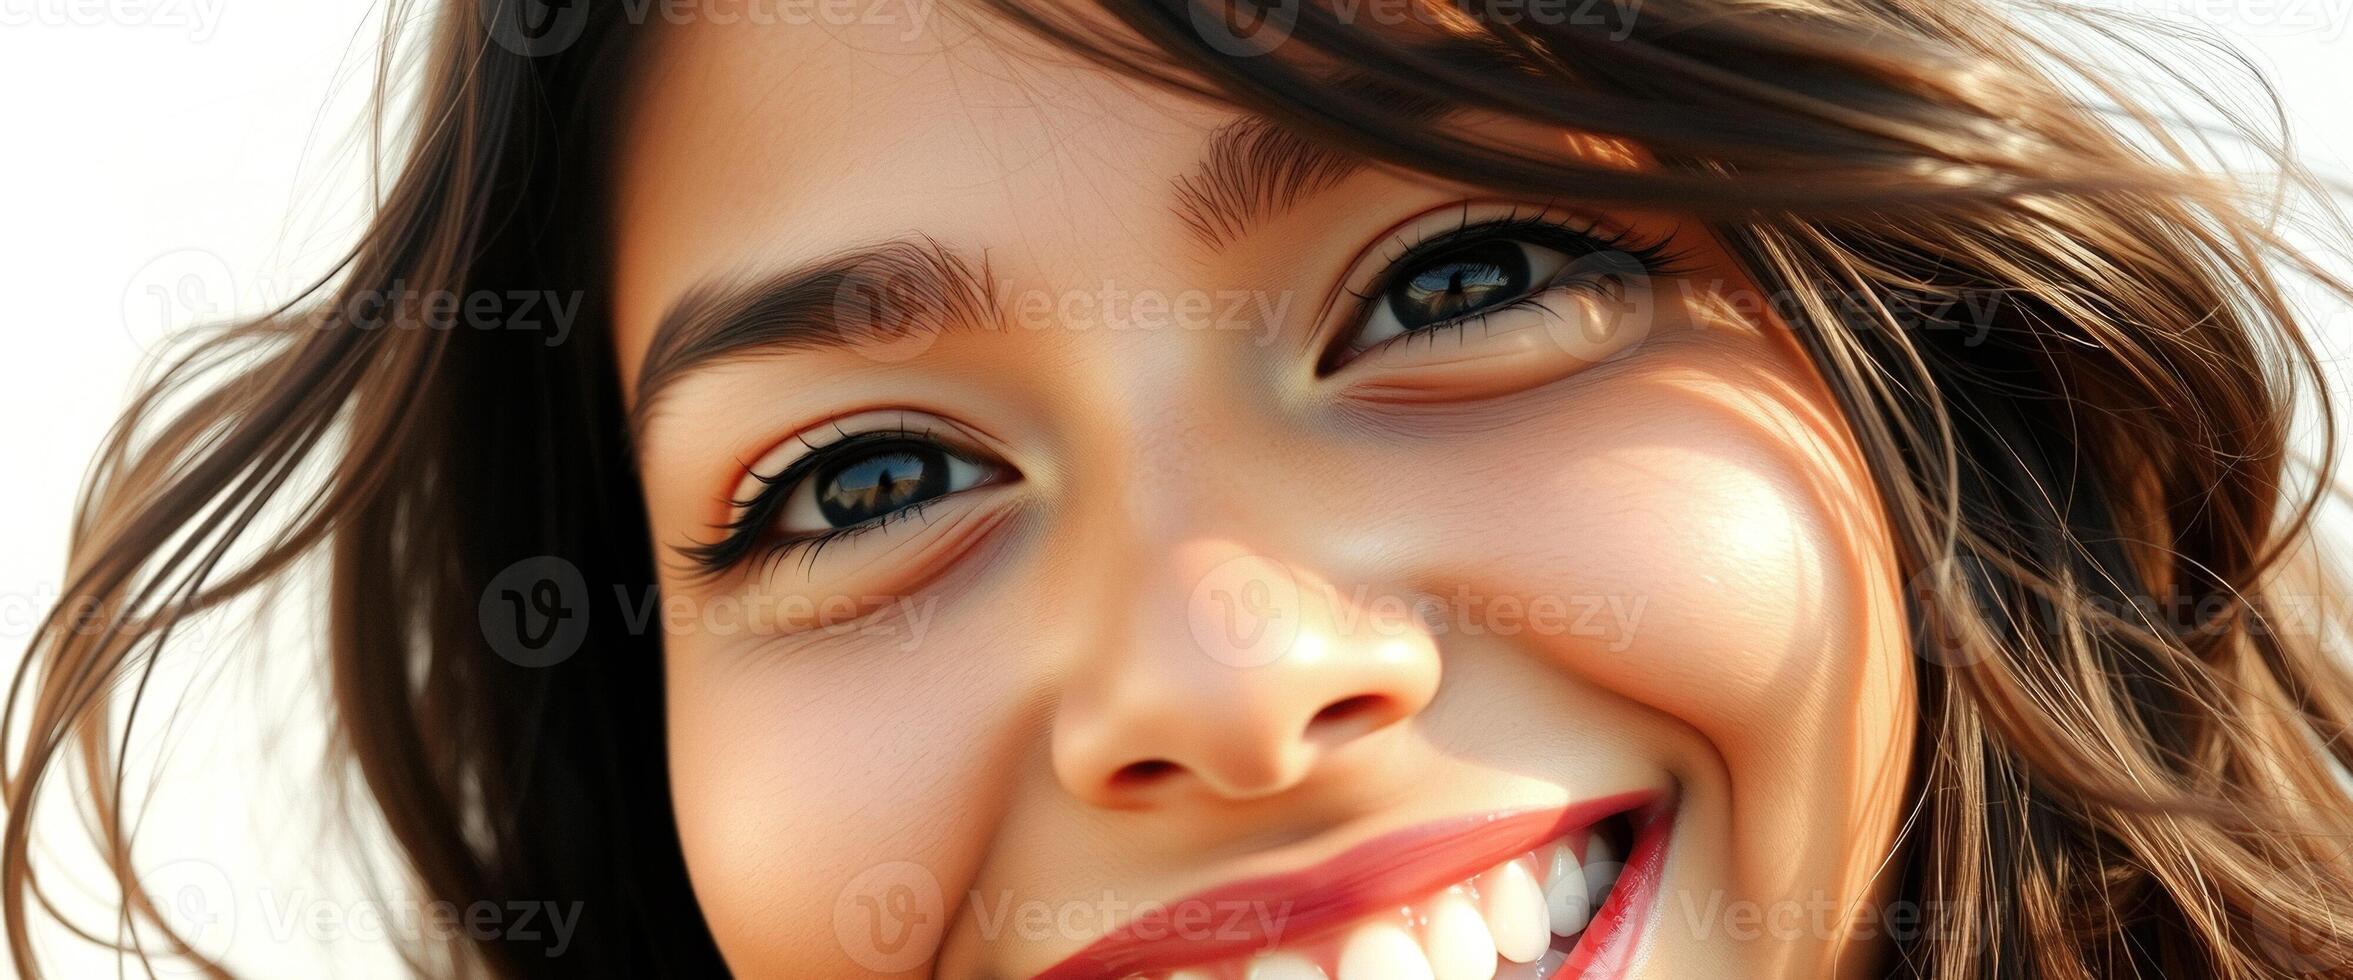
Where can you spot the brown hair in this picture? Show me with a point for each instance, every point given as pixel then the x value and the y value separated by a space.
pixel 2133 742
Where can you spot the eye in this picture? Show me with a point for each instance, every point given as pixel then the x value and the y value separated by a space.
pixel 1458 282
pixel 1476 269
pixel 870 482
pixel 860 481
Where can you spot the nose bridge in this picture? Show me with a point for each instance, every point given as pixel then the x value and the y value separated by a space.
pixel 1235 674
pixel 1183 461
pixel 1180 429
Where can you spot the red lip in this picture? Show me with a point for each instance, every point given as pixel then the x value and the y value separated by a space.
pixel 1606 948
pixel 1393 869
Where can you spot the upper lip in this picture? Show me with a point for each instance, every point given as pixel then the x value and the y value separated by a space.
pixel 1390 870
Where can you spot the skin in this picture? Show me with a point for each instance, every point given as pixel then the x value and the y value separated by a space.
pixel 1682 491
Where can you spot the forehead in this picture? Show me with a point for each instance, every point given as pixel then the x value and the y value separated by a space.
pixel 749 146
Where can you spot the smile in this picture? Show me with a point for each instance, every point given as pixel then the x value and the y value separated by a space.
pixel 1514 896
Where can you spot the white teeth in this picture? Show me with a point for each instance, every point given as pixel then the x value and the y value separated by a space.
pixel 1515 912
pixel 1285 966
pixel 1380 951
pixel 1601 869
pixel 1565 897
pixel 1457 939
pixel 1504 933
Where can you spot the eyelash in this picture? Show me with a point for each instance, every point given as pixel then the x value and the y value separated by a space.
pixel 746 533
pixel 1571 237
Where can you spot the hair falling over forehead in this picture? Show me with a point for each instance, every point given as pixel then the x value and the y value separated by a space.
pixel 2133 736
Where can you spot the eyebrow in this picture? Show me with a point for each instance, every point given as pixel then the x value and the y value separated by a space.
pixel 904 290
pixel 1254 171
pixel 901 291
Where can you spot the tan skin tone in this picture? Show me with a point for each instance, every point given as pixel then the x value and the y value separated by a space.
pixel 1057 623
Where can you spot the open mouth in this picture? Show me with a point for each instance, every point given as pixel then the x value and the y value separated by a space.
pixel 1560 893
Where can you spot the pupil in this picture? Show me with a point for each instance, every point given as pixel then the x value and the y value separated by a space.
pixel 863 488
pixel 1461 282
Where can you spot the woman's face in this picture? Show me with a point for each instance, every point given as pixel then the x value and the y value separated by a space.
pixel 1254 561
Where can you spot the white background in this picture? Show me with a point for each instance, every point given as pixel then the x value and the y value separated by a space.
pixel 164 158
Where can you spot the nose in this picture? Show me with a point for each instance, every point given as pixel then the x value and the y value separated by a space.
pixel 1238 676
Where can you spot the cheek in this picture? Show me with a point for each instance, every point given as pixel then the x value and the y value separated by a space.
pixel 1739 583
pixel 1704 531
pixel 1718 549
pixel 810 781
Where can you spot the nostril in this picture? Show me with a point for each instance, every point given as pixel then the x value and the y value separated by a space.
pixel 1136 774
pixel 1356 708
